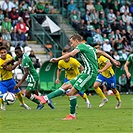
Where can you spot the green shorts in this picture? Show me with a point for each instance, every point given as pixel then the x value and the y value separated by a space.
pixel 83 81
pixel 32 86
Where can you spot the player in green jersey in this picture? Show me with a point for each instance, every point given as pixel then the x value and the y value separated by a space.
pixel 30 75
pixel 85 79
pixel 129 75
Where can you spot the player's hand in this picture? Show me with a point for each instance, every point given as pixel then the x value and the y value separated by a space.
pixel 57 81
pixel 128 75
pixel 4 65
pixel 54 60
pixel 117 63
pixel 16 87
pixel 99 71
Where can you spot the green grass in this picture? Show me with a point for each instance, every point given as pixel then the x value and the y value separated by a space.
pixel 95 120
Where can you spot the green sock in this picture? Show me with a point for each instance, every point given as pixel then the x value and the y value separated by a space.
pixel 56 93
pixel 32 98
pixel 73 103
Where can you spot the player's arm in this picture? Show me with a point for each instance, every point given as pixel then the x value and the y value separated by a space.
pixel 58 76
pixel 115 62
pixel 26 72
pixel 6 63
pixel 126 69
pixel 67 55
pixel 108 64
pixel 10 68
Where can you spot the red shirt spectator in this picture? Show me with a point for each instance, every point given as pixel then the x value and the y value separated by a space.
pixel 21 26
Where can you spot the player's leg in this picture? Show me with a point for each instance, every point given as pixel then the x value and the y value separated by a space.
pixel 84 96
pixel 3 90
pixel 100 79
pixel 111 82
pixel 56 93
pixel 10 85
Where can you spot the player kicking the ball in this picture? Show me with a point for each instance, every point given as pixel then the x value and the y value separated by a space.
pixel 86 78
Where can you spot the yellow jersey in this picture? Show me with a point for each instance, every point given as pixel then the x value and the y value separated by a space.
pixel 4 74
pixel 71 68
pixel 101 63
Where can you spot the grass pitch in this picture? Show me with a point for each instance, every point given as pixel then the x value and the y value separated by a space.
pixel 95 120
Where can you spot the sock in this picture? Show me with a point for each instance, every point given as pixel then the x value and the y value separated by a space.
pixel 20 97
pixel 1 101
pixel 117 95
pixel 100 93
pixel 56 93
pixel 73 102
pixel 32 98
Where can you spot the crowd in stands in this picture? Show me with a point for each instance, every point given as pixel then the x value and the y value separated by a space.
pixel 107 22
pixel 15 20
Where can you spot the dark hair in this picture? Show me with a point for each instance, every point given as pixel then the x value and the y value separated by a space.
pixel 77 36
pixel 2 47
pixel 67 49
pixel 18 48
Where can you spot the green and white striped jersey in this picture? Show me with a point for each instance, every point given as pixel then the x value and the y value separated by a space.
pixel 89 58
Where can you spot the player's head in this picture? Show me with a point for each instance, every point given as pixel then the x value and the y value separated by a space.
pixel 75 40
pixel 65 51
pixel 3 52
pixel 19 52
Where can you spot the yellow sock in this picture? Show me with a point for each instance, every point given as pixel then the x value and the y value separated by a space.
pixel 1 101
pixel 85 97
pixel 117 95
pixel 100 93
pixel 20 97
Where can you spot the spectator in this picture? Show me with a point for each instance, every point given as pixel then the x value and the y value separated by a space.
pixel 7 5
pixel 15 2
pixel 123 55
pixel 26 17
pixel 14 38
pixel 114 26
pixel 116 56
pixel 127 47
pixel 22 39
pixel 46 9
pixel 98 37
pixel 71 6
pixel 6 38
pixel 34 59
pixel 125 17
pixel 6 24
pixel 21 26
pixel 125 8
pixel 99 8
pixel 87 17
pixel 82 28
pixel 14 16
pixel 90 6
pixel 1 16
pixel 39 7
pixel 118 16
pixel 6 13
pixel 90 29
pixel 116 7
pixel 122 81
pixel 131 8
pixel 94 16
pixel 22 7
pixel 74 19
pixel 111 16
pixel 106 46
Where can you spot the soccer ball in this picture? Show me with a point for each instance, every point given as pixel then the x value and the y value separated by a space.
pixel 9 98
pixel 110 92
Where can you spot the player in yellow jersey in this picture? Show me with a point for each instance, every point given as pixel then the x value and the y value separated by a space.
pixel 72 68
pixel 106 74
pixel 7 81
